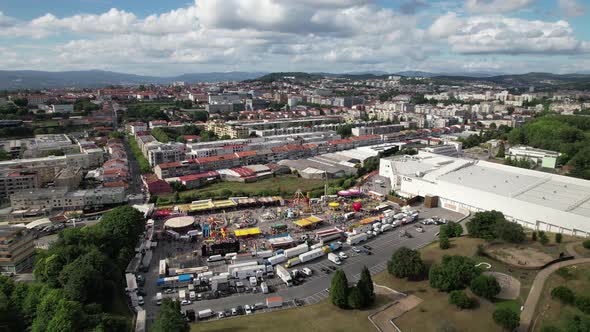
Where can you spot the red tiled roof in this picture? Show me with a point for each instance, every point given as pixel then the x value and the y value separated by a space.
pixel 169 165
pixel 192 177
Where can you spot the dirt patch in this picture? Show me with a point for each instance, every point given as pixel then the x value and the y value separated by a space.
pixel 510 285
pixel 522 257
pixel 382 318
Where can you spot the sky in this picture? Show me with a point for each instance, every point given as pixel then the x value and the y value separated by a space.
pixel 171 37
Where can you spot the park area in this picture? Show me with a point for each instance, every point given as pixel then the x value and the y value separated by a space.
pixel 551 312
pixel 285 185
pixel 323 316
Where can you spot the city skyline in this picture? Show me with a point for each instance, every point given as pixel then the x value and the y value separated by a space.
pixel 316 36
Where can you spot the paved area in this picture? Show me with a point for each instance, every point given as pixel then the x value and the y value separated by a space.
pixel 527 314
pixel 510 285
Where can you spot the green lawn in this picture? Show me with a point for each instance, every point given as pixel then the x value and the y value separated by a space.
pixel 284 185
pixel 551 312
pixel 318 317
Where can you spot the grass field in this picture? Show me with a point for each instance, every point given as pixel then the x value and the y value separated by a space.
pixel 579 248
pixel 286 184
pixel 319 317
pixel 435 312
pixel 551 312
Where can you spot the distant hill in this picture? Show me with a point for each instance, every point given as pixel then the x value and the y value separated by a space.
pixel 29 79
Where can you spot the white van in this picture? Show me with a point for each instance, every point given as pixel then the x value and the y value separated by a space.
pixel 307 271
pixel 215 258
pixel 253 281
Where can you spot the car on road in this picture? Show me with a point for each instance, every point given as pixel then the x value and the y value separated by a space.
pixel 240 310
pixel 234 311
pixel 227 313
pixel 185 302
pixel 342 255
pixel 168 291
pixel 367 247
pixel 357 250
pixel 220 314
pixel 248 309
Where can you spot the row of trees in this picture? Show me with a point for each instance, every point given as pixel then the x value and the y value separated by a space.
pixel 360 296
pixel 492 225
pixel 77 279
pixel 568 297
pixel 144 165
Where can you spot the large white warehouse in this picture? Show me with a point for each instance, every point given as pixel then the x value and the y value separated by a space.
pixel 534 199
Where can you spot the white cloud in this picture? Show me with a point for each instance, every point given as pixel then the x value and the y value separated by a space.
pixel 571 7
pixel 445 25
pixel 496 6
pixel 502 35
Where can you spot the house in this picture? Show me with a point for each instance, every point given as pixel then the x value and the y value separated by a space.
pixel 155 185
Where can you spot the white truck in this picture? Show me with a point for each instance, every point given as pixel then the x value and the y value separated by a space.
pixel 277 259
pixel 332 257
pixel 284 275
pixel 386 227
pixel 204 314
pixel 249 271
pixel 352 240
pixel 296 251
pixel 215 258
pixel 311 255
pixel 262 254
pixel 264 287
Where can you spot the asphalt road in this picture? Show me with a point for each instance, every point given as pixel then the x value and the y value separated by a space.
pixel 135 183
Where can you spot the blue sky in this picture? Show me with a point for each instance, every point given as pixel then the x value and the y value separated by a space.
pixel 180 36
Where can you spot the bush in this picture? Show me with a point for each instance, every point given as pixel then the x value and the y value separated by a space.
pixel 563 294
pixel 550 328
pixel 543 238
pixel 586 244
pixel 534 236
pixel 563 272
pixel 485 286
pixel 481 250
pixel 583 303
pixel 558 238
pixel 507 318
pixel 444 242
pixel 455 272
pixel 461 300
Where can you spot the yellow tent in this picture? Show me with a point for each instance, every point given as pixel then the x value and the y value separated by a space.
pixel 247 231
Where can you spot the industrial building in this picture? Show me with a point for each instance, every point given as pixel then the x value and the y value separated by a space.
pixel 534 199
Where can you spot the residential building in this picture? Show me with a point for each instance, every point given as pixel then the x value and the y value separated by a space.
pixel 48 199
pixel 12 181
pixel 17 249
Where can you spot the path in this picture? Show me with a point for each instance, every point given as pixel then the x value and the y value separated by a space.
pixel 571 251
pixel 527 315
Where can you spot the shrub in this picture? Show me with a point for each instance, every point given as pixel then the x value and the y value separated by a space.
pixel 563 272
pixel 534 236
pixel 406 263
pixel 481 250
pixel 550 328
pixel 485 286
pixel 558 238
pixel 563 294
pixel 444 242
pixel 454 272
pixel 586 244
pixel 507 318
pixel 461 300
pixel 583 303
pixel 543 238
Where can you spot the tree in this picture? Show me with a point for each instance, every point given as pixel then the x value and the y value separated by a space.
pixel 69 316
pixel 501 151
pixel 365 286
pixel 507 318
pixel 558 238
pixel 563 294
pixel 355 298
pixel 534 236
pixel 509 231
pixel 483 223
pixel 461 300
pixel 339 289
pixel 586 244
pixel 485 286
pixel 443 242
pixel 406 263
pixel 452 229
pixel 543 238
pixel 583 303
pixel 169 318
pixel 577 324
pixel 454 272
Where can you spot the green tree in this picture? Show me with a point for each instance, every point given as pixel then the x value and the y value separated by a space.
pixel 485 286
pixel 68 316
pixel 543 238
pixel 577 324
pixel 558 238
pixel 169 318
pixel 461 300
pixel 534 236
pixel 454 272
pixel 46 310
pixel 339 289
pixel 365 286
pixel 451 229
pixel 444 242
pixel 583 303
pixel 501 151
pixel 483 224
pixel 563 294
pixel 356 298
pixel 509 231
pixel 506 318
pixel 406 263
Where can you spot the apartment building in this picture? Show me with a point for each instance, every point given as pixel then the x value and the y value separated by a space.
pixel 12 181
pixel 166 153
pixel 48 199
pixel 17 249
pixel 222 129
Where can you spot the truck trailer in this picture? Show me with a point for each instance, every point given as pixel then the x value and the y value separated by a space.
pixel 354 239
pixel 284 274
pixel 296 251
pixel 311 255
pixel 277 259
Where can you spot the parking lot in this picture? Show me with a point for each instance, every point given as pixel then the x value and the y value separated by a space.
pixel 313 288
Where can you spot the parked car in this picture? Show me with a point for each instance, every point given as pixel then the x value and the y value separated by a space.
pixel 185 302
pixel 234 311
pixel 169 291
pixel 367 247
pixel 342 255
pixel 419 230
pixel 240 310
pixel 248 309
pixel 220 314
pixel 298 302
pixel 357 250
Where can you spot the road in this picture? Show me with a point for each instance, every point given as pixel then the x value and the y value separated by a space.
pixel 135 183
pixel 314 289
